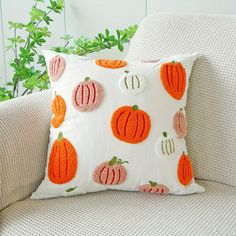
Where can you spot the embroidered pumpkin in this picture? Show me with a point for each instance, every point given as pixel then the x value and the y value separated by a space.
pixel 173 77
pixel 132 83
pixel 87 95
pixel 131 125
pixel 59 111
pixel 111 64
pixel 165 146
pixel 179 124
pixel 185 171
pixel 111 172
pixel 56 67
pixel 62 164
pixel 153 187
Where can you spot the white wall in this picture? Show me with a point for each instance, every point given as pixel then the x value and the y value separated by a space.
pixel 87 17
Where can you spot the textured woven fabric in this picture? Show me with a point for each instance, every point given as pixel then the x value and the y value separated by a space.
pixel 139 149
pixel 24 130
pixel 126 213
pixel 211 106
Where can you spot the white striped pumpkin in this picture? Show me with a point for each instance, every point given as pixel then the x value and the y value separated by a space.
pixel 132 83
pixel 165 146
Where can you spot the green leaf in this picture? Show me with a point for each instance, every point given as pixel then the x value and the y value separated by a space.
pixel 71 189
pixel 39 0
pixel 118 34
pixel 9 84
pixel 26 55
pixel 67 38
pixel 47 19
pixel 5 94
pixel 16 39
pixel 121 47
pixel 45 32
pixel 15 25
pixel 36 14
pixel 56 6
pixel 41 60
pixel 38 38
pixel 107 32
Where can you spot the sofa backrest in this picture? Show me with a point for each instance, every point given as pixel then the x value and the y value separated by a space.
pixel 211 106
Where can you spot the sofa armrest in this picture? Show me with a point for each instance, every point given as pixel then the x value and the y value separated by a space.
pixel 24 132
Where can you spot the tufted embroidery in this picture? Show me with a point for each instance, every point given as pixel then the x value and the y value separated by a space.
pixel 173 77
pixel 153 187
pixel 111 172
pixel 62 164
pixel 165 146
pixel 185 171
pixel 111 64
pixel 87 95
pixel 179 124
pixel 132 83
pixel 59 110
pixel 56 68
pixel 131 125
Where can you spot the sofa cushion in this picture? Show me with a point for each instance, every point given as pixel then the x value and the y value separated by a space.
pixel 123 213
pixel 118 125
pixel 24 129
pixel 211 103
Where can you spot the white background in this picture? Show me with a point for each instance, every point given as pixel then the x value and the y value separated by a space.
pixel 87 17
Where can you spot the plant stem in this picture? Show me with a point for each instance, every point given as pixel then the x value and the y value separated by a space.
pixel 16 85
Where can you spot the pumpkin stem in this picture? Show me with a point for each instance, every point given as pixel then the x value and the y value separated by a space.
pixel 126 71
pixel 135 107
pixel 172 61
pixel 71 189
pixel 181 109
pixel 153 184
pixel 60 136
pixel 165 134
pixel 55 93
pixel 87 79
pixel 115 160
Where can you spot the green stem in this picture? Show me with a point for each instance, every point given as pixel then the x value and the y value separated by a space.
pixel 116 160
pixel 153 184
pixel 164 134
pixel 135 107
pixel 60 136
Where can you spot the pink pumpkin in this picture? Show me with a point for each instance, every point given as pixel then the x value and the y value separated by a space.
pixel 180 124
pixel 153 187
pixel 111 172
pixel 56 68
pixel 87 95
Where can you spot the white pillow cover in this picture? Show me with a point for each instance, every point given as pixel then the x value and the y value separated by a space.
pixel 118 125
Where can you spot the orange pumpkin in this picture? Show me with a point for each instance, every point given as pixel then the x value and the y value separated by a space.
pixel 111 172
pixel 185 170
pixel 59 111
pixel 112 64
pixel 173 77
pixel 153 187
pixel 62 164
pixel 131 125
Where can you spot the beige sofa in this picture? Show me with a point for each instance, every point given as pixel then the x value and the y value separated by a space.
pixel 211 111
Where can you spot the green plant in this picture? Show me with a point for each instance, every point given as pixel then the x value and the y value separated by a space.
pixel 28 76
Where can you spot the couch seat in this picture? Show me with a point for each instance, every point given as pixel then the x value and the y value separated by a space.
pixel 125 213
